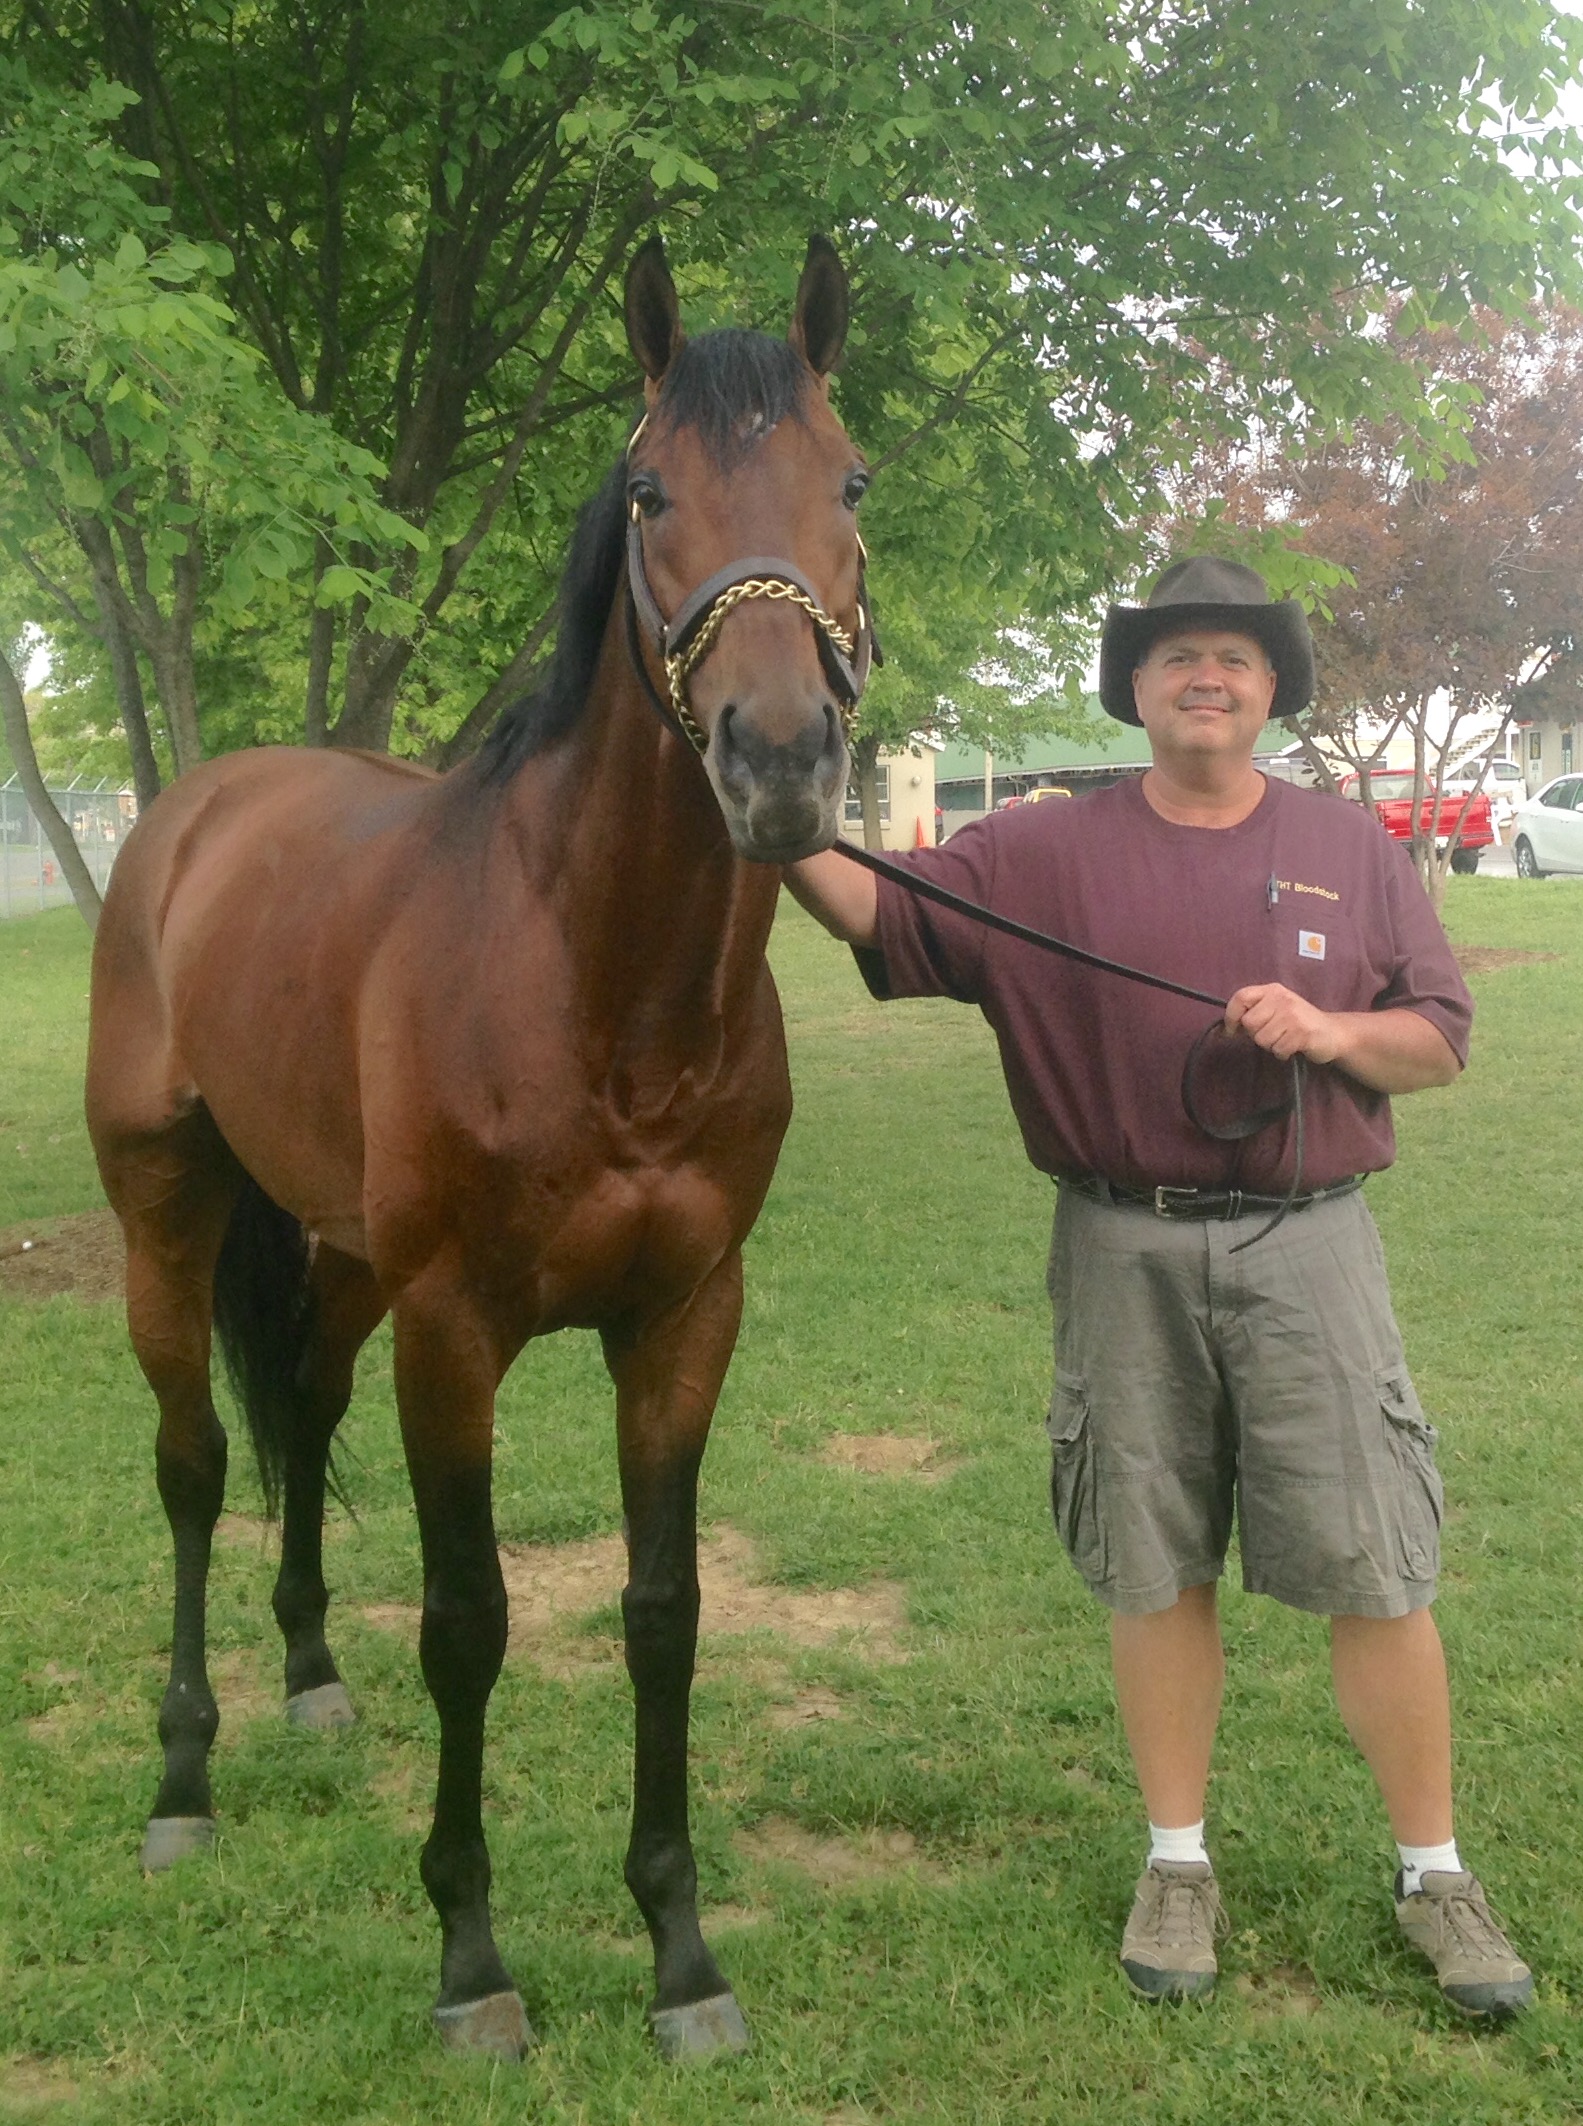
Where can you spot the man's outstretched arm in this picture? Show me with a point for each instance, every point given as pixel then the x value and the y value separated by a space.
pixel 837 893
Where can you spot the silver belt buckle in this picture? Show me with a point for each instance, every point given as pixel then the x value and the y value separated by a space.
pixel 1166 1203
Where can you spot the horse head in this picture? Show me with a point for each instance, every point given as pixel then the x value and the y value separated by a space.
pixel 744 561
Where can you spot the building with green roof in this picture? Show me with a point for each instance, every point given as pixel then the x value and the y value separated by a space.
pixel 1106 753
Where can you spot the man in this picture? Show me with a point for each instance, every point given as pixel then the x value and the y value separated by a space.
pixel 1196 1373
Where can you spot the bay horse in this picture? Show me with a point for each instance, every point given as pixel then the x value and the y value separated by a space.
pixel 498 1052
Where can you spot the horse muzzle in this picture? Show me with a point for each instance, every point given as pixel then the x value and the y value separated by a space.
pixel 780 790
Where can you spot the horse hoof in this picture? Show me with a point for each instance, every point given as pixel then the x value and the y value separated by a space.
pixel 171 1838
pixel 496 2025
pixel 702 2027
pixel 325 1707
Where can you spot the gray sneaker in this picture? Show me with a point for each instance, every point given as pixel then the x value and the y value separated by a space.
pixel 1168 1949
pixel 1450 1920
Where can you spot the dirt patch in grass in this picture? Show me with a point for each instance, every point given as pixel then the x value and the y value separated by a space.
pixel 1485 959
pixel 835 1862
pixel 245 1689
pixel 402 1788
pixel 551 1588
pixel 1284 1991
pixel 70 1715
pixel 30 2087
pixel 402 1617
pixel 807 1707
pixel 886 1454
pixel 82 1255
pixel 247 1531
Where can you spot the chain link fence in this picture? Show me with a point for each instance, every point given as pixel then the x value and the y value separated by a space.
pixel 30 877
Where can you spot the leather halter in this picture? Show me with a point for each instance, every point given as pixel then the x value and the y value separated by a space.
pixel 685 640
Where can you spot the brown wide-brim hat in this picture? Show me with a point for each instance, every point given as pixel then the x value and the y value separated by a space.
pixel 1204 592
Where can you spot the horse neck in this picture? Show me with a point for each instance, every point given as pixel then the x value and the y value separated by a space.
pixel 665 925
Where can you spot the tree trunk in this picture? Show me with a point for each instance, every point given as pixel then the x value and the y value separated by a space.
pixel 1317 761
pixel 865 764
pixel 321 651
pixel 19 737
pixel 129 696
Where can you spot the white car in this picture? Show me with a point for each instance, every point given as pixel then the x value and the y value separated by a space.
pixel 1548 832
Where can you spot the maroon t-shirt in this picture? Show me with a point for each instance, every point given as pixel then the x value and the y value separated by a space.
pixel 1307 890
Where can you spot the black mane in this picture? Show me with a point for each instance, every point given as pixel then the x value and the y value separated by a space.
pixel 732 387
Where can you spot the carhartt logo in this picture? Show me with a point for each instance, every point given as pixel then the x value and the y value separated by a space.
pixel 1311 944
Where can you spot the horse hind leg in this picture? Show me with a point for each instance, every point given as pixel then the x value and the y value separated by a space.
pixel 292 1320
pixel 173 1193
pixel 346 1307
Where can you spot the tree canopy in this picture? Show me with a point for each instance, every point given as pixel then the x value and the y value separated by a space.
pixel 1452 587
pixel 389 243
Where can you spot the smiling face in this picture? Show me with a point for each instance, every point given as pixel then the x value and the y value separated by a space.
pixel 1203 694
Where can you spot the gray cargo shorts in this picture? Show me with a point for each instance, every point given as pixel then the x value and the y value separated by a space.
pixel 1191 1383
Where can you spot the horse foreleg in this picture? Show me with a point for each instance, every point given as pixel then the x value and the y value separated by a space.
pixel 667 1377
pixel 347 1307
pixel 445 1389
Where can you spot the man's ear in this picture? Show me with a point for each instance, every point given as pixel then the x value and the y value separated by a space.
pixel 654 324
pixel 819 316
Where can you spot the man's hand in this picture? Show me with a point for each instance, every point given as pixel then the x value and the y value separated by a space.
pixel 1284 1023
pixel 1396 1051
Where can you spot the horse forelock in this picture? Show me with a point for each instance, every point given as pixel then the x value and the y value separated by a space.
pixel 732 388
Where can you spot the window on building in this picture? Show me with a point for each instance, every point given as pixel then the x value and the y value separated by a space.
pixel 854 803
pixel 1536 745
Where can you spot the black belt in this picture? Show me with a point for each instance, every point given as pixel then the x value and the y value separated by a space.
pixel 1168 1202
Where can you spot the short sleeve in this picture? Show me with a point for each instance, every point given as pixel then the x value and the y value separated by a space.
pixel 922 950
pixel 1425 977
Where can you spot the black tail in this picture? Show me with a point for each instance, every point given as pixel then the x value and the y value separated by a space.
pixel 263 1315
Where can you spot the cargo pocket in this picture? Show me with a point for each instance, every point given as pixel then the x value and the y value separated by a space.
pixel 1074 1479
pixel 1420 1497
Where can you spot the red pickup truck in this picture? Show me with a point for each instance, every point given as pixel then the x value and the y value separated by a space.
pixel 1392 792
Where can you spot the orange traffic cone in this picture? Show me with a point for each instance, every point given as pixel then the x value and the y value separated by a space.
pixel 918 840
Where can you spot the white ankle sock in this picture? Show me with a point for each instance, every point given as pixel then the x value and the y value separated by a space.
pixel 1419 1859
pixel 1182 1844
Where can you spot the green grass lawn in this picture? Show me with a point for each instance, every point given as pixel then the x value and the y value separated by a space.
pixel 920 1866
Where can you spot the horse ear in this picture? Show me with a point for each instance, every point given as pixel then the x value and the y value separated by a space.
pixel 654 324
pixel 819 319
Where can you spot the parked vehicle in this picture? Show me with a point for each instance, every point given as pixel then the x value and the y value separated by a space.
pixel 1548 828
pixel 1439 814
pixel 1503 785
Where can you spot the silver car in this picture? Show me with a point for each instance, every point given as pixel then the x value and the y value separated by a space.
pixel 1548 829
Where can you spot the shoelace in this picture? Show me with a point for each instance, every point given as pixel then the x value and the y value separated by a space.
pixel 1466 1914
pixel 1187 1914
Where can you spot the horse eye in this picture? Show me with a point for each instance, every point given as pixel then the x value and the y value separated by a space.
pixel 645 496
pixel 855 489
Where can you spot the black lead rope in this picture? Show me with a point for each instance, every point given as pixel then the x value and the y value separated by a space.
pixel 1224 1132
